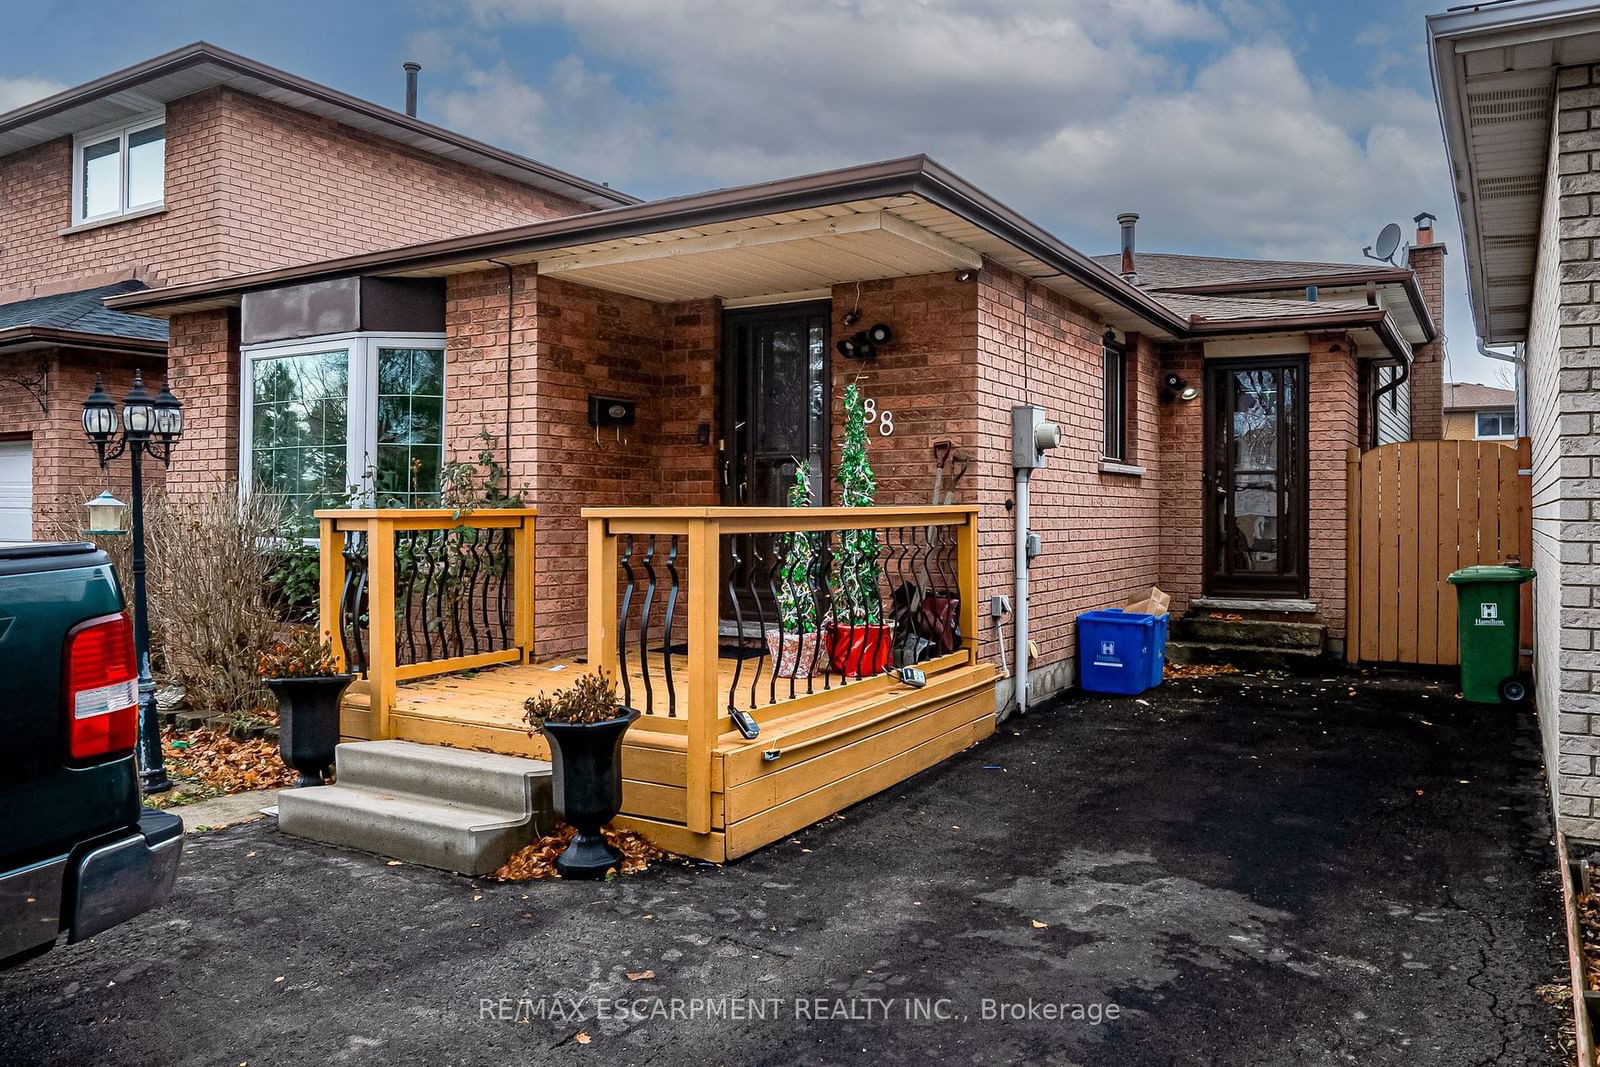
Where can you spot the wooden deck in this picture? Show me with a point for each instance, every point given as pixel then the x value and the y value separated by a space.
pixel 816 755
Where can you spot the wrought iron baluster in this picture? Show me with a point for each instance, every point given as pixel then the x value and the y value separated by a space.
pixel 351 598
pixel 506 568
pixel 781 550
pixel 754 589
pixel 649 565
pixel 820 576
pixel 441 597
pixel 738 616
pixel 425 568
pixel 624 610
pixel 470 566
pixel 458 585
pixel 666 623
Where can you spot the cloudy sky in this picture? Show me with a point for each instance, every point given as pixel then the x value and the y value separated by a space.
pixel 1284 128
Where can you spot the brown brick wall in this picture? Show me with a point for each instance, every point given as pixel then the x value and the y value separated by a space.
pixel 203 366
pixel 252 184
pixel 1183 479
pixel 1427 360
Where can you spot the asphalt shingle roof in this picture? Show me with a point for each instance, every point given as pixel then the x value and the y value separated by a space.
pixel 83 312
pixel 1166 270
pixel 1244 307
pixel 1466 396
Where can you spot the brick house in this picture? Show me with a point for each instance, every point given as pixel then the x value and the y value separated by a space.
pixel 1475 412
pixel 195 165
pixel 1518 87
pixel 1206 404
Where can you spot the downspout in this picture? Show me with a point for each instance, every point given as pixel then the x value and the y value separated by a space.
pixel 1518 359
pixel 1378 394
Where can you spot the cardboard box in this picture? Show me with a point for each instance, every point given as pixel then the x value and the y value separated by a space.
pixel 1152 602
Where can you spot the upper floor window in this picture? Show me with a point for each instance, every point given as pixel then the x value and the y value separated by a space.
pixel 1497 423
pixel 119 170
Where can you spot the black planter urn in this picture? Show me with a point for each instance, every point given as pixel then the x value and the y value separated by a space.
pixel 308 722
pixel 587 784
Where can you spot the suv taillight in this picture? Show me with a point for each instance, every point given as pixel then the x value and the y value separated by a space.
pixel 102 689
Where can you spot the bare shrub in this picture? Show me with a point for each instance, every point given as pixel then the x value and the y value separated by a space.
pixel 120 548
pixel 215 555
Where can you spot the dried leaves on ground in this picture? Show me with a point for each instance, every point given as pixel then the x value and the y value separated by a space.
pixel 209 762
pixel 538 860
pixel 1588 906
pixel 1199 670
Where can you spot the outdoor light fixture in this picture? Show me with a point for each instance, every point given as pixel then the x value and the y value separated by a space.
pixel 880 334
pixel 150 424
pixel 852 317
pixel 106 516
pixel 1179 387
pixel 966 275
pixel 857 346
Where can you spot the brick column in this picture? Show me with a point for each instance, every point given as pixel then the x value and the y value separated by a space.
pixel 1427 360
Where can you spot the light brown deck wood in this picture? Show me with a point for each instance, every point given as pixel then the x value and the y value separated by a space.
pixel 815 755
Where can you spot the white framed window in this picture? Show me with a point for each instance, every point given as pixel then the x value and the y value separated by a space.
pixel 117 170
pixel 1496 424
pixel 361 414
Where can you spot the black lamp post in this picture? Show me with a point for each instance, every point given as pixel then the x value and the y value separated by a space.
pixel 149 424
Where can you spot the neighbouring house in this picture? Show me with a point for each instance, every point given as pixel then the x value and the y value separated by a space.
pixel 1518 87
pixel 1479 412
pixel 654 374
pixel 200 164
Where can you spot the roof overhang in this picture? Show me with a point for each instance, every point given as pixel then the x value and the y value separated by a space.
pixel 149 85
pixel 881 220
pixel 1494 69
pixel 771 241
pixel 22 338
pixel 1374 330
pixel 1412 316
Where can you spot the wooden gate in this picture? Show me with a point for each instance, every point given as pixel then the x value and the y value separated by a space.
pixel 1416 512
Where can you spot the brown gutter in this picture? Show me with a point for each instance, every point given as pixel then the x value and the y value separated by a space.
pixel 201 53
pixel 1406 278
pixel 911 176
pixel 35 336
pixel 1378 320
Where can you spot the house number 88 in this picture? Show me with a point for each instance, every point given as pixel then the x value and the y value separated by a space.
pixel 884 419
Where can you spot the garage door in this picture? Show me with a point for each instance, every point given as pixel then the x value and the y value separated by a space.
pixel 16 490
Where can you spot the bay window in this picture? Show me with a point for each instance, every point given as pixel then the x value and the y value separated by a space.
pixel 329 418
pixel 119 170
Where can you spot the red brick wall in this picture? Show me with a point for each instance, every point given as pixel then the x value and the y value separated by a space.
pixel 1427 366
pixel 252 184
pixel 1101 531
pixel 1182 479
pixel 1333 394
pixel 203 366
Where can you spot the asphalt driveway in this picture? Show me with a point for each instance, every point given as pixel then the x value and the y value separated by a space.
pixel 1243 870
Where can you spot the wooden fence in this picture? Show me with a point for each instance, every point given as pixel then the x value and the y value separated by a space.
pixel 1416 512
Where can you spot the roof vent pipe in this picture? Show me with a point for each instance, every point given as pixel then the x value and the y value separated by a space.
pixel 411 69
pixel 1311 294
pixel 1126 220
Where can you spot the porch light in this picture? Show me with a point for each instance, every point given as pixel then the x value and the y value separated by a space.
pixel 99 414
pixel 138 410
pixel 168 416
pixel 857 346
pixel 880 334
pixel 1180 388
pixel 107 516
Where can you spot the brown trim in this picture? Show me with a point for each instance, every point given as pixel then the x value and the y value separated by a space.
pixel 11 436
pixel 1403 276
pixel 1376 319
pixel 911 176
pixel 201 53
pixel 34 336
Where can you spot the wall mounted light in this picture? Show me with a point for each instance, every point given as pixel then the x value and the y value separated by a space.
pixel 1180 387
pixel 966 275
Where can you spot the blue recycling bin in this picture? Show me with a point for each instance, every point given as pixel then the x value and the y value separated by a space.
pixel 1120 652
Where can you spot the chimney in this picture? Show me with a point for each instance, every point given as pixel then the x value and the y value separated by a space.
pixel 411 69
pixel 1424 223
pixel 1126 220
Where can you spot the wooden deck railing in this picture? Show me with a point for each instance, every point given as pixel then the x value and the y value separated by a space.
pixel 705 613
pixel 407 593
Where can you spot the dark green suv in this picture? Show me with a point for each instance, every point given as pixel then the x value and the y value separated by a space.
pixel 78 853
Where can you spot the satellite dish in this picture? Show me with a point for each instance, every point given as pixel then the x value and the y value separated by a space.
pixel 1388 242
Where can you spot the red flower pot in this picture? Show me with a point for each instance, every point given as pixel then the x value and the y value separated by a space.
pixel 860 651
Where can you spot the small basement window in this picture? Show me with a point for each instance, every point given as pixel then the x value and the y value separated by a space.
pixel 119 170
pixel 1500 423
pixel 1115 444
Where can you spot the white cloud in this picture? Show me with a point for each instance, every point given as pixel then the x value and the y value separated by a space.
pixel 15 92
pixel 1069 112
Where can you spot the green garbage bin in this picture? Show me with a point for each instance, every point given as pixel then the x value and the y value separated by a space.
pixel 1486 622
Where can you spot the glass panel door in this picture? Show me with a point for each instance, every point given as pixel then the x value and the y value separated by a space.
pixel 775 403
pixel 1256 527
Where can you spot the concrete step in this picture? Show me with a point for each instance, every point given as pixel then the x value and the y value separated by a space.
pixel 439 807
pixel 451 775
pixel 1248 657
pixel 1256 633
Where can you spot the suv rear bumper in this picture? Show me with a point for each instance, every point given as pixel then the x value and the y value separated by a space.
pixel 121 878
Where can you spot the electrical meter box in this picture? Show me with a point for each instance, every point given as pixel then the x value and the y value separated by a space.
pixel 1031 437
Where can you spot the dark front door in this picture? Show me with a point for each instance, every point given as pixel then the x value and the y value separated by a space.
pixel 1256 473
pixel 775 402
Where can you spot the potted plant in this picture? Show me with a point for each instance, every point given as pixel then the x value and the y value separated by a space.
pixel 303 674
pixel 584 724
pixel 793 643
pixel 860 642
